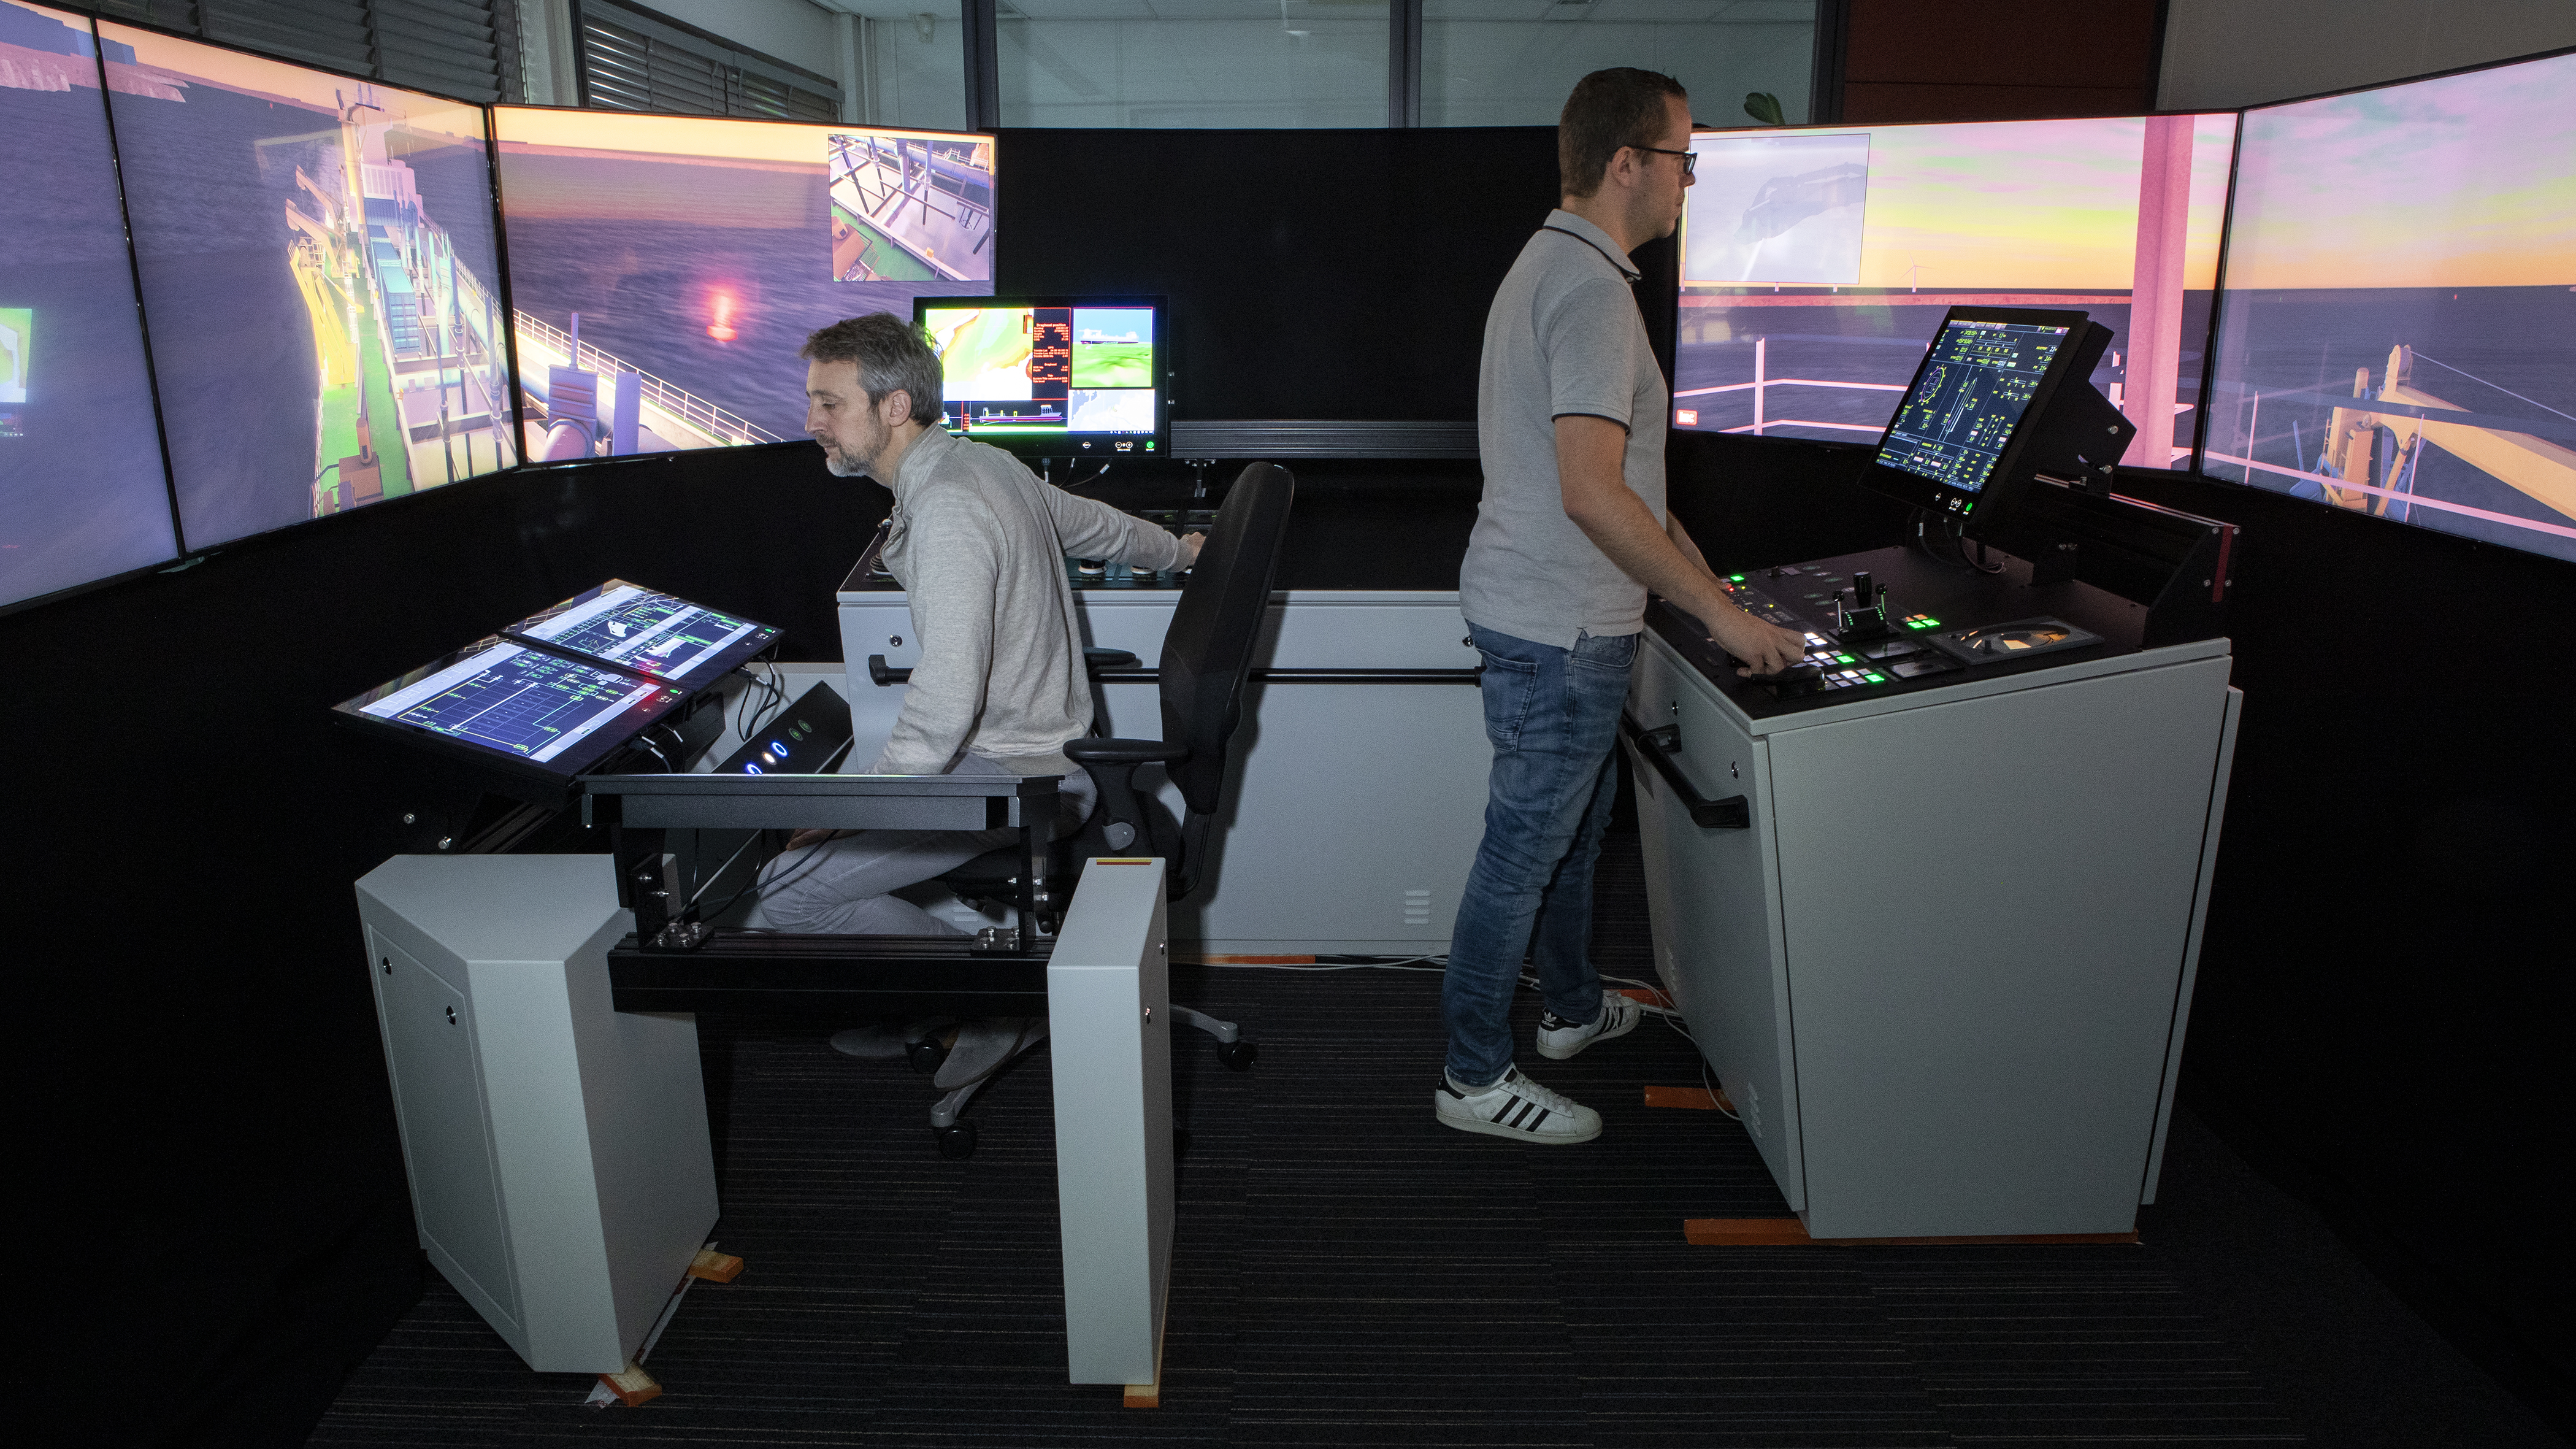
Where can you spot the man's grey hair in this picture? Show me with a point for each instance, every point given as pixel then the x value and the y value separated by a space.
pixel 893 356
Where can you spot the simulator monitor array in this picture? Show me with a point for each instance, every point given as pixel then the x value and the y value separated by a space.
pixel 1054 377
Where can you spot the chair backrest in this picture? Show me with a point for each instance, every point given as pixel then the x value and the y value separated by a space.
pixel 1208 650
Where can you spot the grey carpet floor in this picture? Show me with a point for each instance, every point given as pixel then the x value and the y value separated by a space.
pixel 1348 1272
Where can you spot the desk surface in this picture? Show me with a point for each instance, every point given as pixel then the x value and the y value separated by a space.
pixel 1918 583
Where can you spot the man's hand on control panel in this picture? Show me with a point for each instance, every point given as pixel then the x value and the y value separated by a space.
pixel 1764 648
pixel 1191 543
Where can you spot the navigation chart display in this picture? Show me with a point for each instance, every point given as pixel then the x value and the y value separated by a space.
pixel 1051 377
pixel 553 712
pixel 317 256
pixel 665 269
pixel 82 492
pixel 1978 381
pixel 653 633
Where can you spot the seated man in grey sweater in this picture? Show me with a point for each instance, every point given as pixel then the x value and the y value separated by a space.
pixel 979 543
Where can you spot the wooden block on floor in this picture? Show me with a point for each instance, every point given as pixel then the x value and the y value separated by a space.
pixel 1150 1395
pixel 1791 1233
pixel 1648 996
pixel 1696 1098
pixel 632 1385
pixel 715 1267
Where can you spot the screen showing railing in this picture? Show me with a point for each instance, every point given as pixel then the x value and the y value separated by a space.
pixel 1817 262
pixel 665 269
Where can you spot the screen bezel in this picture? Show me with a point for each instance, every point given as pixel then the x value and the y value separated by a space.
pixel 1918 491
pixel 1095 446
pixel 576 759
pixel 707 670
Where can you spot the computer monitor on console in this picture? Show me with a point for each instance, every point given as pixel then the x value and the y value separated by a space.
pixel 1055 377
pixel 2001 397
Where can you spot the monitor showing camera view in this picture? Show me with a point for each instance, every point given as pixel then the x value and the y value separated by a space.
pixel 1054 377
pixel 82 492
pixel 665 269
pixel 2397 335
pixel 317 258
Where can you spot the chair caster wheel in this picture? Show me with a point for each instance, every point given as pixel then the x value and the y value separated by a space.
pixel 925 1057
pixel 957 1141
pixel 1239 1055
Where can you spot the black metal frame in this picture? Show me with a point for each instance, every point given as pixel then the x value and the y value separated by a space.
pixel 639 809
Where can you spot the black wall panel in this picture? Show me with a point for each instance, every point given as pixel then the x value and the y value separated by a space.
pixel 1313 274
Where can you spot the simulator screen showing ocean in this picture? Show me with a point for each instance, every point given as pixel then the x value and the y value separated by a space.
pixel 1818 262
pixel 666 269
pixel 82 492
pixel 2397 334
pixel 318 273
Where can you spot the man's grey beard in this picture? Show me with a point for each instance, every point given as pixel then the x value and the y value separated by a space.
pixel 838 465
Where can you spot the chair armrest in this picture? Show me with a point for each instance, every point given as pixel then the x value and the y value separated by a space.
pixel 1123 752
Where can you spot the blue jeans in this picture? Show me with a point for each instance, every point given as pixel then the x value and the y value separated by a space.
pixel 1552 716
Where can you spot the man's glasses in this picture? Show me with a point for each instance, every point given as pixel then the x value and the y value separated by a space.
pixel 1690 159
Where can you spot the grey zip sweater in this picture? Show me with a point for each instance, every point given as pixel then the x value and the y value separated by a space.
pixel 980 543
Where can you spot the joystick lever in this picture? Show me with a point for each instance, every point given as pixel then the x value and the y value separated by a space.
pixel 1866 617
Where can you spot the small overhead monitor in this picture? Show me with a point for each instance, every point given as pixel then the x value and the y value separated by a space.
pixel 1984 390
pixel 1054 377
pixel 499 702
pixel 633 627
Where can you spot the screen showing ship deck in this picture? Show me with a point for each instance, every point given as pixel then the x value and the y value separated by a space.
pixel 1955 421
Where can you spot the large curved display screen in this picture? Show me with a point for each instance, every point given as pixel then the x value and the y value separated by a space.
pixel 82 492
pixel 317 263
pixel 2398 330
pixel 1817 263
pixel 665 269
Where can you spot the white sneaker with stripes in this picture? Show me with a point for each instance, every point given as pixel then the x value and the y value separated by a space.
pixel 1518 1108
pixel 1559 1038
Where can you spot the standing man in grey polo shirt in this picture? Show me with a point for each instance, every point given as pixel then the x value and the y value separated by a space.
pixel 1572 533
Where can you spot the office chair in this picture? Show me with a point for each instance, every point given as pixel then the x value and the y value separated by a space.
pixel 1207 655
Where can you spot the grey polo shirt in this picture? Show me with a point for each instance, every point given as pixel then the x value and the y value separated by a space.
pixel 1563 337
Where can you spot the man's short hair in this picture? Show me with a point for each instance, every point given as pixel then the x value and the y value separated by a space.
pixel 1609 109
pixel 892 354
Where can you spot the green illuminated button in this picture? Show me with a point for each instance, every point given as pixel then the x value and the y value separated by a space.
pixel 1878 679
pixel 1735 578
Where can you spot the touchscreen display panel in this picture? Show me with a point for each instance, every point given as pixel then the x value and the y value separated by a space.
pixel 521 703
pixel 650 632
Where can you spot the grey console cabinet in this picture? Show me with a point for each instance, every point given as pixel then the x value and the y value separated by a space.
pixel 1944 970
